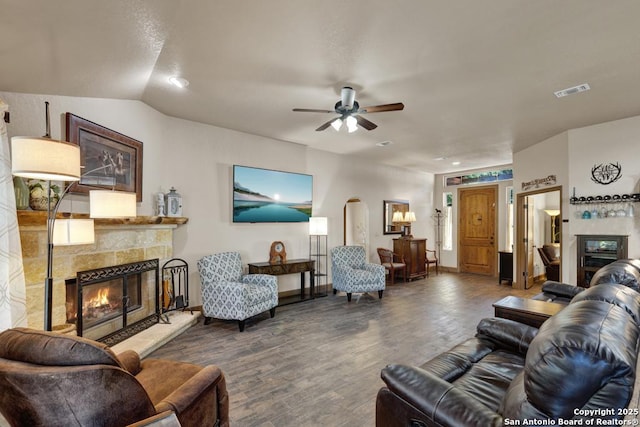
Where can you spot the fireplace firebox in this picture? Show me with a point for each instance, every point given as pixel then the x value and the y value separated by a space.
pixel 112 303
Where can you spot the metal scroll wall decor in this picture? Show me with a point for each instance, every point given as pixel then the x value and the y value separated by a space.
pixel 606 173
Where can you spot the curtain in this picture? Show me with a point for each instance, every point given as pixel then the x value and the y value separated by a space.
pixel 13 309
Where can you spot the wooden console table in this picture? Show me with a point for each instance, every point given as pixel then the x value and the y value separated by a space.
pixel 289 267
pixel 528 311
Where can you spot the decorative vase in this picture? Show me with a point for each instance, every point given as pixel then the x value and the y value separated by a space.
pixel 38 200
pixel 21 190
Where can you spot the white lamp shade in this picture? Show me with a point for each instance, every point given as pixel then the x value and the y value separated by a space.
pixel 318 226
pixel 552 212
pixel 44 158
pixel 409 216
pixel 336 124
pixel 111 204
pixel 73 232
pixel 397 217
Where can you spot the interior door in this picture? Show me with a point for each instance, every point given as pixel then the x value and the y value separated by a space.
pixel 529 228
pixel 477 226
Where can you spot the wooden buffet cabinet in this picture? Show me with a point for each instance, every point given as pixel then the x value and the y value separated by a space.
pixel 414 253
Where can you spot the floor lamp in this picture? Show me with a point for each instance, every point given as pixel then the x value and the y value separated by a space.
pixel 318 229
pixel 553 213
pixel 49 160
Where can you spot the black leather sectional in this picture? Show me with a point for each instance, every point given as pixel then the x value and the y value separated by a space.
pixel 580 365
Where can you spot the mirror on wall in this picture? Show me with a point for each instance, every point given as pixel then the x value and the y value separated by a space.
pixel 389 208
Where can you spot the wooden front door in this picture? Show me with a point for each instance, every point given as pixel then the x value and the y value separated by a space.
pixel 477 228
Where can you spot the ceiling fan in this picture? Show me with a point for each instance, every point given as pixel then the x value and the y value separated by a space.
pixel 349 111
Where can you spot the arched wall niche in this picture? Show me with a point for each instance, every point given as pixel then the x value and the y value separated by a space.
pixel 356 223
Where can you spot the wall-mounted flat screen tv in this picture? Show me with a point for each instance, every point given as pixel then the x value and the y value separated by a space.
pixel 265 195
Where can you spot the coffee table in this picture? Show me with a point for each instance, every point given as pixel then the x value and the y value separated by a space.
pixel 528 311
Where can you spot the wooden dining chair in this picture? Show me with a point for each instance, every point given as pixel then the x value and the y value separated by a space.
pixel 431 258
pixel 392 262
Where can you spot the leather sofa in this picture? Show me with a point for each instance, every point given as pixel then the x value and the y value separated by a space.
pixel 624 272
pixel 582 359
pixel 52 379
pixel 558 292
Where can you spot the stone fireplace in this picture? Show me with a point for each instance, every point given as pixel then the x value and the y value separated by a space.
pixel 101 302
pixel 112 303
pixel 117 242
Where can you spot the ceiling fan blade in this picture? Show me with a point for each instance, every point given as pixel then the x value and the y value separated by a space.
pixel 368 125
pixel 326 125
pixel 381 108
pixel 312 110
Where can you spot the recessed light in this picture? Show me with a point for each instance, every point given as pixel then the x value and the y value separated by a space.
pixel 455 163
pixel 571 90
pixel 179 82
pixel 384 143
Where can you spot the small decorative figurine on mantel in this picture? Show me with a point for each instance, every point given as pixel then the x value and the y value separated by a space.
pixel 160 204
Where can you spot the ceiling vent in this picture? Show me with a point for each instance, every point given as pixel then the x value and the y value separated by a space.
pixel 570 91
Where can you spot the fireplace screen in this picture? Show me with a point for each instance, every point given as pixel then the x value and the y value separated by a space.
pixel 103 301
pixel 116 298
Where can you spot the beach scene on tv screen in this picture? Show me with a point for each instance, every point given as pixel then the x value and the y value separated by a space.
pixel 263 195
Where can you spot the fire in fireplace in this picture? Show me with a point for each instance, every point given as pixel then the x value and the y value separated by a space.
pixel 102 301
pixel 120 297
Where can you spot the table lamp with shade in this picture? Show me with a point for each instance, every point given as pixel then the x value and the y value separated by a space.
pixel 49 160
pixel 404 220
pixel 409 217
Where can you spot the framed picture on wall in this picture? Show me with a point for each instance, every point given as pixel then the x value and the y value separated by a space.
pixel 109 159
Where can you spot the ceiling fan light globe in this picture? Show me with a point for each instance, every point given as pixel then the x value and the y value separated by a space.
pixel 336 124
pixel 352 124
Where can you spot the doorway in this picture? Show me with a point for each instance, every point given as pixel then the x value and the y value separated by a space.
pixel 477 251
pixel 538 224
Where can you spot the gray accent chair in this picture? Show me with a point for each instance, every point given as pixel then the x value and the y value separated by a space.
pixel 228 294
pixel 353 274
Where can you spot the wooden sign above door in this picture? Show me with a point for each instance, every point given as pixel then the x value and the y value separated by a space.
pixel 539 182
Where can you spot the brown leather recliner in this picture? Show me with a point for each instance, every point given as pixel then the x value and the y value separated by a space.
pixel 47 378
pixel 550 255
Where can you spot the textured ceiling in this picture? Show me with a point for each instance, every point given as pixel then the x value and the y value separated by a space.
pixel 476 77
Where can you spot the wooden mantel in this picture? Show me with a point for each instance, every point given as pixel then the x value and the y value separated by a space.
pixel 35 218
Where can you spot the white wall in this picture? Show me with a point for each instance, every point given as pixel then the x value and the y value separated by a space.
pixel 611 142
pixel 549 157
pixel 197 160
pixel 570 156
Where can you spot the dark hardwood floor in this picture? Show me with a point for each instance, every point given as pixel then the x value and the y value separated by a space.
pixel 318 363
